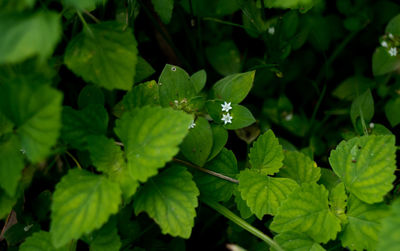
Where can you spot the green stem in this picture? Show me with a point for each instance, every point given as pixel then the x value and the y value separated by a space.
pixel 222 22
pixel 85 24
pixel 74 159
pixel 242 223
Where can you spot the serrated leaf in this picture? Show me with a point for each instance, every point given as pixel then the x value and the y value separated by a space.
pixel 297 242
pixel 82 202
pixel 170 199
pixel 389 237
pixel 299 167
pixel 106 55
pixel 338 201
pixel 266 154
pixel 306 210
pixel 40 241
pixel 151 136
pixel 233 88
pixel 164 9
pixel 78 125
pixel 364 224
pixel 26 35
pixel 175 84
pixel 363 107
pixel 106 238
pixel 199 80
pixel 197 144
pixel 82 4
pixel 220 137
pixel 107 157
pixel 366 166
pixel 224 57
pixel 391 111
pixel 36 112
pixel 383 62
pixel 241 205
pixel 217 188
pixel 264 194
pixel 11 164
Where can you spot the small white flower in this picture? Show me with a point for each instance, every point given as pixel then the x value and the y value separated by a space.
pixel 226 106
pixel 173 68
pixel 227 118
pixel 393 51
pixel 271 30
pixel 371 125
pixel 390 35
pixel 384 44
pixel 289 117
pixel 192 125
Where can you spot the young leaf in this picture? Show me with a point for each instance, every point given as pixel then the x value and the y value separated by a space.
pixel 224 57
pixel 151 136
pixel 36 112
pixel 306 210
pixel 364 224
pixel 363 107
pixel 175 84
pixel 297 241
pixel 164 9
pixel 26 35
pixel 170 199
pixel 104 54
pixel 391 111
pixel 197 144
pixel 383 62
pixel 389 235
pixel 266 154
pixel 41 241
pixel 11 164
pixel 220 137
pixel 217 188
pixel 199 80
pixel 82 202
pixel 366 166
pixel 233 88
pixel 264 194
pixel 300 168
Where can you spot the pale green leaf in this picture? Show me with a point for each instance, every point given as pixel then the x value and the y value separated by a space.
pixel 338 201
pixel 105 55
pixel 264 194
pixel 306 210
pixel 164 9
pixel 26 35
pixel 220 137
pixel 106 238
pixel 82 202
pixel 233 88
pixel 224 57
pixel 266 154
pixel 151 136
pixel 170 199
pixel 36 112
pixel 300 168
pixel 364 224
pixel 11 164
pixel 196 146
pixel 241 205
pixel 82 4
pixel 389 237
pixel 366 166
pixel 297 242
pixel 392 109
pixel 40 241
pixel 217 188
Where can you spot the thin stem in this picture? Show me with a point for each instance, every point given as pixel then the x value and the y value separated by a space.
pixel 316 108
pixel 242 223
pixel 221 176
pixel 85 24
pixel 74 159
pixel 91 16
pixel 222 22
pixel 363 121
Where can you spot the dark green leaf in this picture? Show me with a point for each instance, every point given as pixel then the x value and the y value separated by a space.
pixel 392 109
pixel 164 9
pixel 220 137
pixel 199 80
pixel 224 58
pixel 11 164
pixel 362 107
pixel 90 95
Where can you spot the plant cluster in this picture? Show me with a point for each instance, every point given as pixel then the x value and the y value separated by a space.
pixel 199 124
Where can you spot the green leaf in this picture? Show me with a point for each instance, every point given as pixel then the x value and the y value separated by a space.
pixel 393 26
pixel 107 157
pixel 338 201
pixel 82 4
pixel 300 168
pixel 105 55
pixel 82 202
pixel 297 242
pixel 175 84
pixel 196 146
pixel 302 5
pixel 363 107
pixel 389 237
pixel 264 194
pixel 40 241
pixel 199 80
pixel 106 238
pixel 266 154
pixel 364 224
pixel 217 188
pixel 352 86
pixel 26 35
pixel 143 70
pixel 164 9
pixel 224 57
pixel 36 112
pixel 244 210
pixel 366 166
pixel 90 95
pixel 220 137
pixel 141 95
pixel 16 5
pixel 79 125
pixel 306 210
pixel 6 203
pixel 233 88
pixel 391 110
pixel 383 62
pixel 151 136
pixel 11 164
pixel 5 125
pixel 170 199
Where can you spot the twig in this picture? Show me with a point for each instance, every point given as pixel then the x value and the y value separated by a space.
pixel 91 16
pixel 74 159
